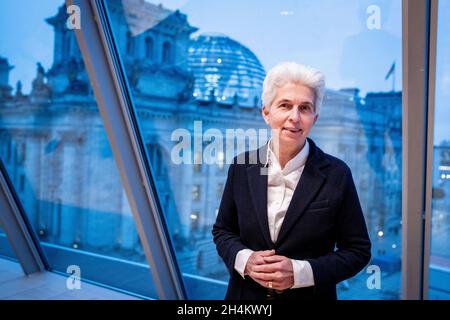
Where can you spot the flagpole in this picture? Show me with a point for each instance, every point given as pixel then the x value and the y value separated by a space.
pixel 393 81
pixel 391 72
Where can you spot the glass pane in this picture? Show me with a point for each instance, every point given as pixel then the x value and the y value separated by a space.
pixel 5 248
pixel 439 272
pixel 57 154
pixel 194 75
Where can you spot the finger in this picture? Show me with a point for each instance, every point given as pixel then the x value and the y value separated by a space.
pixel 273 267
pixel 274 258
pixel 265 284
pixel 267 253
pixel 255 258
pixel 259 260
pixel 259 256
pixel 276 284
pixel 262 276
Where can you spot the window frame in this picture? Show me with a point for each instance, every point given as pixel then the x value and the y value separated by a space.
pixel 22 239
pixel 112 92
pixel 419 21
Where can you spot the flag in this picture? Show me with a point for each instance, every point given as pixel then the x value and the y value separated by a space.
pixel 391 71
pixel 52 146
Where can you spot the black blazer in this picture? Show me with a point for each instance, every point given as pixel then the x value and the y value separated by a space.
pixel 324 224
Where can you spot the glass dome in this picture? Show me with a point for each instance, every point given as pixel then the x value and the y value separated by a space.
pixel 225 69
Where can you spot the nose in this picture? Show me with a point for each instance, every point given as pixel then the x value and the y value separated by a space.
pixel 294 115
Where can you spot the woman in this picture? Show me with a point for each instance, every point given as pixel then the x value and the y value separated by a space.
pixel 298 230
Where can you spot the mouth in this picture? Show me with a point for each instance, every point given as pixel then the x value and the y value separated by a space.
pixel 293 130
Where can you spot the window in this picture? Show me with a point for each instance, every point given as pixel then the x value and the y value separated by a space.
pixel 439 268
pixel 67 43
pixel 220 187
pixel 167 53
pixel 198 162
pixel 67 184
pixel 157 161
pixel 221 160
pixel 130 44
pixel 5 248
pixel 8 150
pixel 194 222
pixel 196 192
pixel 149 48
pixel 23 153
pixel 206 84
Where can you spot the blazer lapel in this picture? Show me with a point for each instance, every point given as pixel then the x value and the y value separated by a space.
pixel 257 182
pixel 309 184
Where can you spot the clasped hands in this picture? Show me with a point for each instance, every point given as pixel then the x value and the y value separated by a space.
pixel 270 270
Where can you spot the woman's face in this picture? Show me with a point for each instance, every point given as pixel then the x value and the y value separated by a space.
pixel 291 115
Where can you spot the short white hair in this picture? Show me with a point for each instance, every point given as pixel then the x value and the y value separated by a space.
pixel 291 72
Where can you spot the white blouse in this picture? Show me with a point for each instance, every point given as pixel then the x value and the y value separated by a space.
pixel 281 185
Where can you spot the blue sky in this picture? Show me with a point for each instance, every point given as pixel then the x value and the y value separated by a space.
pixel 442 114
pixel 331 35
pixel 328 34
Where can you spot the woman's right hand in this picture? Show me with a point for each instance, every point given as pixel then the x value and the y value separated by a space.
pixel 257 258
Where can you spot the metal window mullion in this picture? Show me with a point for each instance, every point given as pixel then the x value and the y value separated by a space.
pixel 112 94
pixel 18 231
pixel 434 4
pixel 415 31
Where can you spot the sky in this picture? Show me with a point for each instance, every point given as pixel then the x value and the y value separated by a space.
pixel 442 112
pixel 330 35
pixel 336 36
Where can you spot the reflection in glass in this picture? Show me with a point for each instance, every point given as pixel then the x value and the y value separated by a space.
pixel 439 271
pixel 5 248
pixel 225 70
pixel 57 154
pixel 205 75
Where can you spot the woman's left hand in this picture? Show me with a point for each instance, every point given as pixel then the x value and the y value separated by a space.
pixel 278 270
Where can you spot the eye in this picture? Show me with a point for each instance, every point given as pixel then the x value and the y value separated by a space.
pixel 283 106
pixel 306 107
